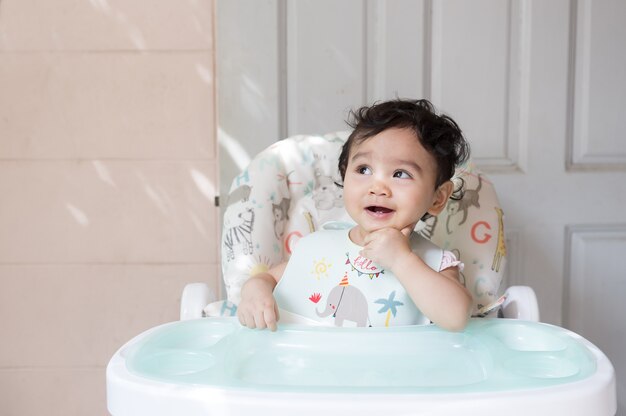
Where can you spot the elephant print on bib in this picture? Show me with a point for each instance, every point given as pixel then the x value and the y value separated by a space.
pixel 346 302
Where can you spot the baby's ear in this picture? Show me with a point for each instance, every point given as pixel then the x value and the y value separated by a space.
pixel 442 194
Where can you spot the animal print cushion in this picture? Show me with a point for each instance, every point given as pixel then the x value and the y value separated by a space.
pixel 289 190
pixel 473 229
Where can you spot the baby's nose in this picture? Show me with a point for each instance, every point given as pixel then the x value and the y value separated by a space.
pixel 380 188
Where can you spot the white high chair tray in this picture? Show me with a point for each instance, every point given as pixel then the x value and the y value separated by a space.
pixel 496 366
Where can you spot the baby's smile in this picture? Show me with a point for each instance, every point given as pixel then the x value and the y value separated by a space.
pixel 378 210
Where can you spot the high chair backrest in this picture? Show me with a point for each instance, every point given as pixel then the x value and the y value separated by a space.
pixel 289 190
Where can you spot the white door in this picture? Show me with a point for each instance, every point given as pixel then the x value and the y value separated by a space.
pixel 539 88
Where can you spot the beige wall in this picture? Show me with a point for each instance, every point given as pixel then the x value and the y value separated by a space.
pixel 107 173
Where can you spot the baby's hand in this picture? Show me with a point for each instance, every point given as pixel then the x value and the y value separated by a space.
pixel 386 246
pixel 257 308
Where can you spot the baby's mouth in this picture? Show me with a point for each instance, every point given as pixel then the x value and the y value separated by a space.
pixel 379 210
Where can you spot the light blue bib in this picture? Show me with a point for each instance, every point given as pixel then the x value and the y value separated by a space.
pixel 326 280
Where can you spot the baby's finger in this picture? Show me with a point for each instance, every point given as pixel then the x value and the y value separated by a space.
pixel 369 241
pixel 259 320
pixel 370 237
pixel 241 317
pixel 276 312
pixel 247 320
pixel 270 319
pixel 407 231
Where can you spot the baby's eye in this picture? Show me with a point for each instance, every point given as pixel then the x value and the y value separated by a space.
pixel 364 170
pixel 401 174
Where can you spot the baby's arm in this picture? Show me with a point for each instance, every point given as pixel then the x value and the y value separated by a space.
pixel 439 295
pixel 257 308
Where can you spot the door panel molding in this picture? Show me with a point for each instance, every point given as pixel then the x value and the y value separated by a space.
pixel 597 88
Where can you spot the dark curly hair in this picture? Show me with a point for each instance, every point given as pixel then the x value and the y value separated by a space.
pixel 438 133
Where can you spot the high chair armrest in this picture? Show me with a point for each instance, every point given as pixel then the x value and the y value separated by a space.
pixel 521 303
pixel 195 297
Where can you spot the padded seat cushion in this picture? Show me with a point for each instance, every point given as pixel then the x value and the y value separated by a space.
pixel 289 190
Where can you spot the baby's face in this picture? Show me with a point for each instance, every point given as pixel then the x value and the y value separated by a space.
pixel 390 181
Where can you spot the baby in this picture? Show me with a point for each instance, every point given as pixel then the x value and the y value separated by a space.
pixel 396 168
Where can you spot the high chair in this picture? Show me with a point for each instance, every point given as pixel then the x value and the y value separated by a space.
pixel 213 366
pixel 290 189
